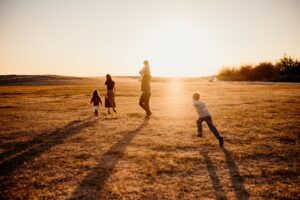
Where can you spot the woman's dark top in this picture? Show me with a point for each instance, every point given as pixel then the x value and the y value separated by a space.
pixel 110 85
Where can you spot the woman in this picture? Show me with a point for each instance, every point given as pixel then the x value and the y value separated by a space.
pixel 110 94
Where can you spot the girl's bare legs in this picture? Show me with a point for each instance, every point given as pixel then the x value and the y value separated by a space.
pixel 108 110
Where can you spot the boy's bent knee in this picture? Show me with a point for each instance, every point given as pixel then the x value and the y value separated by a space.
pixel 199 121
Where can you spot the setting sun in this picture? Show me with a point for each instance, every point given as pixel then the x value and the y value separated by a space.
pixel 178 47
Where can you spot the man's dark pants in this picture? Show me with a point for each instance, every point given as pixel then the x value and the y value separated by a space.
pixel 210 124
pixel 144 101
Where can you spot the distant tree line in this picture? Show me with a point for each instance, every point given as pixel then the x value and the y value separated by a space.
pixel 287 69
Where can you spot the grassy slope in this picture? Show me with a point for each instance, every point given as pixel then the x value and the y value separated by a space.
pixel 53 148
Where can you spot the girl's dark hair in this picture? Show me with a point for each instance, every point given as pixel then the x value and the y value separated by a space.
pixel 95 93
pixel 108 78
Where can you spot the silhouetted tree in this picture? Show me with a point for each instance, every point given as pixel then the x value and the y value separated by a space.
pixel 264 71
pixel 246 73
pixel 286 69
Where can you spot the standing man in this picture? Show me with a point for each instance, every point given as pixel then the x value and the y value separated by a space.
pixel 145 87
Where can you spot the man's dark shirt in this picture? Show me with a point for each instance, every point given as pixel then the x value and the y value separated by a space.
pixel 145 87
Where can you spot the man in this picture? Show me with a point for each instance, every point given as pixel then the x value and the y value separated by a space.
pixel 145 87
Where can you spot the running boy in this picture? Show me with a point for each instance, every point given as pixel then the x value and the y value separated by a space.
pixel 204 115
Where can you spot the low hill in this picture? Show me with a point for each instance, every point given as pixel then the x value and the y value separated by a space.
pixel 71 80
pixel 50 80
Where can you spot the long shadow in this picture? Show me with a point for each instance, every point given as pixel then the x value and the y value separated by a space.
pixel 25 151
pixel 91 186
pixel 39 138
pixel 219 192
pixel 236 180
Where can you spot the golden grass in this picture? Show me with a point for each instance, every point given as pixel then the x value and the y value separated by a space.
pixel 52 147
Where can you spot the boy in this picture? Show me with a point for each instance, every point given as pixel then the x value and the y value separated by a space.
pixel 204 115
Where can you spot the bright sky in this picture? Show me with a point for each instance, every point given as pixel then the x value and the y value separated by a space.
pixel 178 37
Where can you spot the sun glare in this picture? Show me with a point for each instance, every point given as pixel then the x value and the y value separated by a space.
pixel 177 48
pixel 175 89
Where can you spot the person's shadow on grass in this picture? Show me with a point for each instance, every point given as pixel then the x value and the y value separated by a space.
pixel 237 181
pixel 91 187
pixel 13 158
pixel 219 192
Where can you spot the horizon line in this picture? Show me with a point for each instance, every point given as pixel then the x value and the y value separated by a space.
pixel 101 76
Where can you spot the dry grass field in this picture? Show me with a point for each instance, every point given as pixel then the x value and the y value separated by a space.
pixel 52 147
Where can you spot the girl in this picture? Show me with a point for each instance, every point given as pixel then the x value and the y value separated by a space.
pixel 96 100
pixel 110 94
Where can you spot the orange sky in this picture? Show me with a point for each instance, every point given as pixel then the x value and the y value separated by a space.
pixel 178 37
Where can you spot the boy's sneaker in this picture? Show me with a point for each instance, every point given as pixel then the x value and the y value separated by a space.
pixel 221 142
pixel 114 110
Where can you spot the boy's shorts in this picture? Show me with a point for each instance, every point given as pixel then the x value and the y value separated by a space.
pixel 96 108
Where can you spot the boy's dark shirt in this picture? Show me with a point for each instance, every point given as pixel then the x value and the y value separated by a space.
pixel 96 100
pixel 145 86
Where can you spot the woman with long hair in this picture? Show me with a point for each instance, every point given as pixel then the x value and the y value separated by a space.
pixel 110 94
